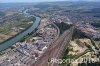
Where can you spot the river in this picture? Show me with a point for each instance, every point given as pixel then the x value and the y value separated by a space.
pixel 18 37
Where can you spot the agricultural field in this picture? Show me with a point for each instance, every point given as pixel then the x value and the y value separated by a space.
pixel 13 25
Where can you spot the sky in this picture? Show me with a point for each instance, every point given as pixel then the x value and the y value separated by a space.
pixel 29 0
pixel 5 1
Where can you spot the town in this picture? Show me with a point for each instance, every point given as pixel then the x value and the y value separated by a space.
pixel 65 31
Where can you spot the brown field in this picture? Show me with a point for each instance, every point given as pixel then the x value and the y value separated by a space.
pixel 4 37
pixel 13 33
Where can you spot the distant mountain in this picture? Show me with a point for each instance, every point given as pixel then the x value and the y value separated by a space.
pixel 85 0
pixel 13 5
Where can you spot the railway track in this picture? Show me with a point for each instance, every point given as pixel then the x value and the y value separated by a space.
pixel 55 50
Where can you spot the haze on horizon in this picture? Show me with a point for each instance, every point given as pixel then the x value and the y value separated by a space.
pixel 7 1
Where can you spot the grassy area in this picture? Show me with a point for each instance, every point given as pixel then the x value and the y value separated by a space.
pixel 94 44
pixel 63 26
pixel 5 29
pixel 98 43
pixel 2 53
pixel 26 38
